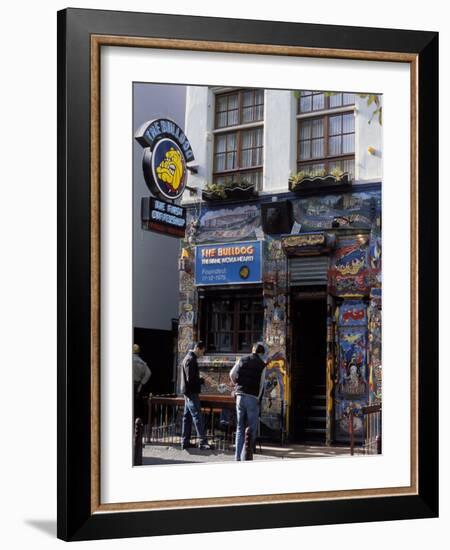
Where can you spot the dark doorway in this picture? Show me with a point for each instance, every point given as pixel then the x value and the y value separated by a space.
pixel 157 350
pixel 308 374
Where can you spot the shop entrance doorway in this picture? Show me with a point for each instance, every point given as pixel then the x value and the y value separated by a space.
pixel 308 365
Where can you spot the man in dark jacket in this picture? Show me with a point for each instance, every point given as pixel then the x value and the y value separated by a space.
pixel 191 387
pixel 248 375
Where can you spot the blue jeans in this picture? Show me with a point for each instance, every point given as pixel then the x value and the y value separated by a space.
pixel 247 412
pixel 192 414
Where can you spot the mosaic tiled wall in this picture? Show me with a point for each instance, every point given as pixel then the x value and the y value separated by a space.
pixel 275 293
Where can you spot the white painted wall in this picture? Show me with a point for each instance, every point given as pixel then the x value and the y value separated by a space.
pixel 280 134
pixel 199 121
pixel 368 166
pixel 280 137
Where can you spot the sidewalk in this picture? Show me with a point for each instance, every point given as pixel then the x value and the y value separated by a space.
pixel 172 454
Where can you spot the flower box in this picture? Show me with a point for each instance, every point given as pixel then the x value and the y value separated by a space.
pixel 310 183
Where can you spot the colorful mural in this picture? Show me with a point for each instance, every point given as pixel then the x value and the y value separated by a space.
pixel 349 267
pixel 351 380
pixel 374 323
pixel 355 210
pixel 229 224
pixel 342 425
pixel 274 399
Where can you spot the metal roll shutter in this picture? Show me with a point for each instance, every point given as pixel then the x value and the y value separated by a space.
pixel 308 270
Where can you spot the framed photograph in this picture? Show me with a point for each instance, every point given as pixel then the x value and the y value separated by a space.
pixel 247 254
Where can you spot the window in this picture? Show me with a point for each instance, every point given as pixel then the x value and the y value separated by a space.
pixel 231 323
pixel 238 144
pixel 327 141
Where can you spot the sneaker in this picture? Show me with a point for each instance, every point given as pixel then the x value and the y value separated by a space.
pixel 185 446
pixel 206 446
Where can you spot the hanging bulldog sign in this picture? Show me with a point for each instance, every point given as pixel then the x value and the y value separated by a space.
pixel 167 151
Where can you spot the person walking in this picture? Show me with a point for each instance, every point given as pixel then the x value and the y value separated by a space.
pixel 248 375
pixel 191 387
pixel 141 375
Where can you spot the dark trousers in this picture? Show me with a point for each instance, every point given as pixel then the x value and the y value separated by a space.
pixel 192 415
pixel 138 403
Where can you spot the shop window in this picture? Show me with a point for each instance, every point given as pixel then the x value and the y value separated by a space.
pixel 231 323
pixel 327 141
pixel 238 150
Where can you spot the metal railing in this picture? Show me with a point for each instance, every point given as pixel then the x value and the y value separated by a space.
pixel 371 429
pixel 165 420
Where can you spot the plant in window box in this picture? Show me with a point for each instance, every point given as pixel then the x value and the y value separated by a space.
pixel 214 192
pixel 239 190
pixel 319 179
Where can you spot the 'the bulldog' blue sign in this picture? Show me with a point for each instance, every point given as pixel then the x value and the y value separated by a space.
pixel 232 263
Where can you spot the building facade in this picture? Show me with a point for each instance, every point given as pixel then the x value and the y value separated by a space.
pixel 283 245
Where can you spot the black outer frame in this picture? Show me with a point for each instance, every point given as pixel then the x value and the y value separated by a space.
pixel 75 521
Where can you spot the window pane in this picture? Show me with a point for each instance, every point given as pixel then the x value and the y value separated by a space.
pixel 221 120
pixel 233 118
pixel 258 156
pixel 221 142
pixel 305 150
pixel 221 334
pixel 246 158
pixel 348 123
pixel 226 110
pixel 348 99
pixel 335 125
pixel 259 137
pixel 219 164
pixel 348 143
pixel 247 139
pixel 252 105
pixel 335 100
pixel 317 128
pixel 247 114
pixel 222 103
pixel 231 161
pixel 349 166
pixel 248 98
pixel 251 154
pixel 305 130
pixel 245 321
pixel 317 148
pixel 334 146
pixel 244 341
pixel 232 101
pixel 259 113
pixel 305 104
pixel 258 321
pixel 318 102
pixel 259 109
pixel 225 341
pixel 231 142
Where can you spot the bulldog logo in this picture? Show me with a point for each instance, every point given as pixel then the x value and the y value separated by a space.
pixel 171 169
pixel 166 153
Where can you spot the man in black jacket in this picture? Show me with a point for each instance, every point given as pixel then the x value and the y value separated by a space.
pixel 248 375
pixel 191 387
